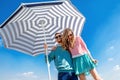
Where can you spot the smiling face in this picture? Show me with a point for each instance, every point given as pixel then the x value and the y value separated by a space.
pixel 70 35
pixel 67 38
pixel 58 37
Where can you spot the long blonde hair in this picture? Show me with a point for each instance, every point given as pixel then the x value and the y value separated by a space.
pixel 66 43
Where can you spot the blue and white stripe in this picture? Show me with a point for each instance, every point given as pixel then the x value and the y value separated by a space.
pixel 23 30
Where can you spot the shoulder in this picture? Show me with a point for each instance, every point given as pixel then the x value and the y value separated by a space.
pixel 78 38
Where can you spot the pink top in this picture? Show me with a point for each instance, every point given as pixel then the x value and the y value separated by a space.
pixel 79 48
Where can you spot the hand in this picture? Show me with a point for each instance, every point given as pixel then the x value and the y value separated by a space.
pixel 45 46
pixel 54 47
pixel 95 61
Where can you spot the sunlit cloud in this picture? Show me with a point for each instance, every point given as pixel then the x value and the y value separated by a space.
pixel 29 75
pixel 116 68
pixel 110 47
pixel 26 76
pixel 110 59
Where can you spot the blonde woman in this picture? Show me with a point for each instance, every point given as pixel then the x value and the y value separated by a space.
pixel 82 59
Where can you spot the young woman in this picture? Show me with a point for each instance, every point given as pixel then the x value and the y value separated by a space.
pixel 82 59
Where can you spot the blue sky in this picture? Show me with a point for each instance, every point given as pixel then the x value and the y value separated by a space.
pixel 101 34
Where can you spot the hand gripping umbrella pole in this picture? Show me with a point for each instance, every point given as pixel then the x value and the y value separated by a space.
pixel 46 50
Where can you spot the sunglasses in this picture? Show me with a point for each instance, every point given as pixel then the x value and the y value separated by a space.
pixel 59 36
pixel 70 35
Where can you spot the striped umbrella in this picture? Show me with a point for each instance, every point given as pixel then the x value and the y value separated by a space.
pixel 34 24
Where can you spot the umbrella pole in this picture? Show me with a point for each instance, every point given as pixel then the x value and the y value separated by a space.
pixel 46 50
pixel 48 65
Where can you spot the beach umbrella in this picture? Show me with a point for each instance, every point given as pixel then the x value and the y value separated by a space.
pixel 34 24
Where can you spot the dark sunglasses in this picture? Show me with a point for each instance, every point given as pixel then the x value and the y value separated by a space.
pixel 70 35
pixel 59 36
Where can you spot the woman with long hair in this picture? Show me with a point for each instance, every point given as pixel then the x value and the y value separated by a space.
pixel 82 60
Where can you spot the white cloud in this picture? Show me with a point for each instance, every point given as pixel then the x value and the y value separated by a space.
pixel 26 76
pixel 21 76
pixel 29 75
pixel 116 68
pixel 110 59
pixel 111 48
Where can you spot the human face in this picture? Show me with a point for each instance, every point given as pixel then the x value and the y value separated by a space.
pixel 58 38
pixel 70 35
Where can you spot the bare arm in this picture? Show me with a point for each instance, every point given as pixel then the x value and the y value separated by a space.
pixel 88 52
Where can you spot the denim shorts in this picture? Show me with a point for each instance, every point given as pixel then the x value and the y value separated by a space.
pixel 67 76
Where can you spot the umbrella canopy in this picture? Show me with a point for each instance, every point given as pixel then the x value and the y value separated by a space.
pixel 26 29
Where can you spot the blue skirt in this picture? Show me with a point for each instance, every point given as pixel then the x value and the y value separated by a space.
pixel 83 64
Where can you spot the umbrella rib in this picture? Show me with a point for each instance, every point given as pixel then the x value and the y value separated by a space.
pixel 11 17
pixel 42 4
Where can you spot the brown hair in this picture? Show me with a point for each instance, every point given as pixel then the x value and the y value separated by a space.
pixel 57 33
pixel 66 43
